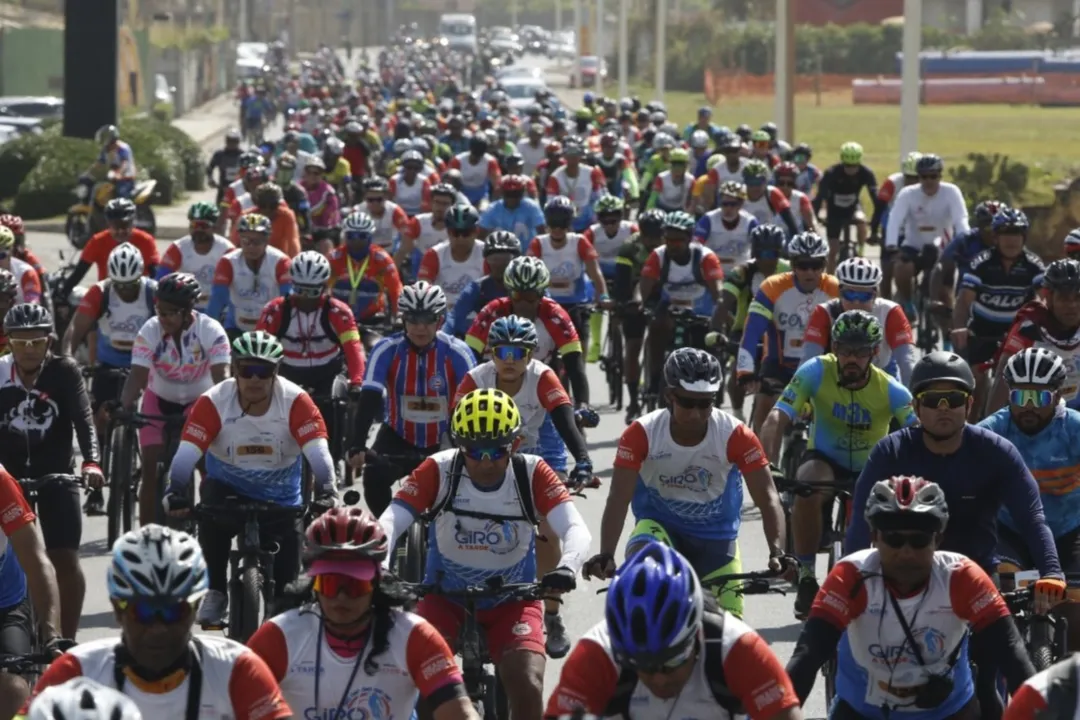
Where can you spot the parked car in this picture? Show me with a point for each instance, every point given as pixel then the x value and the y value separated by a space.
pixel 563 46
pixel 591 66
pixel 21 125
pixel 35 107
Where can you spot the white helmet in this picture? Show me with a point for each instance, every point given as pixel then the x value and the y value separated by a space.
pixel 125 264
pixel 157 562
pixel 83 699
pixel 858 272
pixel 310 269
pixel 358 222
pixel 1036 366
pixel 422 298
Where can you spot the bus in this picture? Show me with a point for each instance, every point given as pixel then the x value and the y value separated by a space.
pixel 459 30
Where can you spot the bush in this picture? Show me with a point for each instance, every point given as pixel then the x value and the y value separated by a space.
pixel 163 111
pixel 18 158
pixel 155 155
pixel 46 189
pixel 991 177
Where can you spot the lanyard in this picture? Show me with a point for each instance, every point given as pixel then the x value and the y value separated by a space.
pixel 194 678
pixel 356 278
pixel 352 675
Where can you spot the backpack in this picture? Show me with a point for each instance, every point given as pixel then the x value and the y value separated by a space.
pixel 695 265
pixel 524 489
pixel 713 625
pixel 324 320
pixel 149 289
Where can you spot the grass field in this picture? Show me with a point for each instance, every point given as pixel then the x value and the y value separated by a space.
pixel 1047 140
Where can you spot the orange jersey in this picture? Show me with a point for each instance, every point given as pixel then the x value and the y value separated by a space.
pixel 100 245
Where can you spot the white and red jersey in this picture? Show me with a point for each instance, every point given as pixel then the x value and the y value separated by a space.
pixel 27 281
pixel 588 182
pixel 752 673
pixel 802 207
pixel 889 315
pixel 768 207
pixel 607 246
pixel 414 198
pixel 1029 329
pixel 427 235
pixel 531 155
pixel 236 683
pixel 234 190
pixel 183 256
pixel 438 267
pixel 180 374
pixel 1032 700
pixel 417 663
pixel 671 193
pixel 540 393
pixel 476 177
pixel 242 203
pixel 119 323
pixel 250 290
pixel 315 339
pixel 684 284
pixel 693 490
pixel 891 188
pixel 566 264
pixel 15 513
pixel 729 240
pixel 722 173
pixel 393 220
pixel 257 455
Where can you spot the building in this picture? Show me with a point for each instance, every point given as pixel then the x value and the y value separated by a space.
pixel 957 15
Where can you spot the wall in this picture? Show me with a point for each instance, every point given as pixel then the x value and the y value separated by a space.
pixel 846 12
pixel 199 75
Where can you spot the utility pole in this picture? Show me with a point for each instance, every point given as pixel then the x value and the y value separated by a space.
pixel 784 90
pixel 624 48
pixel 661 48
pixel 578 40
pixel 601 52
pixel 910 81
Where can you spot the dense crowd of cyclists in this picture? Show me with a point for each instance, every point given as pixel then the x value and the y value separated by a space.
pixel 443 268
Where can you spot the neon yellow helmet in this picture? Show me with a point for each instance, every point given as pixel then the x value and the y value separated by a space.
pixel 485 418
pixel 713 161
pixel 851 153
pixel 908 166
pixel 254 223
pixel 7 239
pixel 679 155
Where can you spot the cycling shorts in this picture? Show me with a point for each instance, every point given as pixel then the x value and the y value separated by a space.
pixel 60 515
pixel 106 385
pixel 924 258
pixel 838 219
pixel 775 377
pixel 842 476
pixel 154 432
pixel 980 349
pixel 633 323
pixel 709 558
pixel 1012 547
pixel 509 627
pixel 16 629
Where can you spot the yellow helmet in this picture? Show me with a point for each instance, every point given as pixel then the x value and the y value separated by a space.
pixel 7 238
pixel 254 223
pixel 486 417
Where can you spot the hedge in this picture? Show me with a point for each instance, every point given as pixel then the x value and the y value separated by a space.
pixel 38 172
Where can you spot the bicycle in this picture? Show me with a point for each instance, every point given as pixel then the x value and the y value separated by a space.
pixel 689 330
pixel 29 666
pixel 173 426
pixel 611 360
pixel 32 486
pixel 1046 637
pixel 756 582
pixel 410 556
pixel 484 686
pixel 338 403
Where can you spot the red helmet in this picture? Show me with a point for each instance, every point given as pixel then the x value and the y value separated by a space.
pixel 13 223
pixel 350 531
pixel 786 169
pixel 554 147
pixel 513 184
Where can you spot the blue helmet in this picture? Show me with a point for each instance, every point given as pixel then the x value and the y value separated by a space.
pixel 654 607
pixel 513 330
pixel 1010 220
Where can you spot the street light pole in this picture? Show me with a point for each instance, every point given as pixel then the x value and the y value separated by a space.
pixel 784 89
pixel 578 40
pixel 909 84
pixel 600 51
pixel 661 48
pixel 624 82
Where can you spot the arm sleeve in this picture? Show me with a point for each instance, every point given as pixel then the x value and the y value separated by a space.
pixel 574 534
pixel 565 424
pixel 897 219
pixel 254 692
pixel 575 371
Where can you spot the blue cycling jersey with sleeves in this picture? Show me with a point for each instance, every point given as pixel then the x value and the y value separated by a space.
pixel 476 295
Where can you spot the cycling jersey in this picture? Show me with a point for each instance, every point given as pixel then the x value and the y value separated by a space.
pixel 723 173
pixel 340 172
pixel 181 373
pixel 183 256
pixel 241 292
pixel 693 490
pixel 730 240
pixel 963 248
pixel 324 206
pixel 607 246
pixel 427 236
pixel 365 283
pixel 1000 291
pixel 101 245
pixel 632 256
pixel 876 667
pixel 569 282
pixel 1033 700
pixel 840 191
pixel 780 313
pixel 685 285
pixel 417 663
pixel 418 384
pixel 531 155
pixel 392 222
pixel 321 338
pixel 27 281
pixel 743 282
pixel 236 683
pixel 554 328
pixel 477 177
pixel 801 208
pixel 582 189
pixel 1035 326
pixel 807 178
pixel 890 316
pixel 15 514
pixel 119 158
pixel 439 267
pixel 414 197
pixel 922 219
pixel 669 194
pixel 525 221
pixel 769 207
pixel 118 321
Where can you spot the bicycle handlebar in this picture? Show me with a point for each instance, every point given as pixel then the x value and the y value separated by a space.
pixel 211 511
pixel 492 589
pixel 32 485
pixel 19 664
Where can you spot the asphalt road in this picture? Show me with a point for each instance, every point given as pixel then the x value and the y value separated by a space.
pixel 771 615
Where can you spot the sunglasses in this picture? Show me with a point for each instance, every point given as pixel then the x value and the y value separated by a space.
pixel 510 353
pixel 815 265
pixel 785 183
pixel 1036 398
pixel 307 292
pixel 859 296
pixel 147 612
pixel 457 232
pixel 664 668
pixel 693 403
pixel 953 399
pixel 852 351
pixel 24 343
pixel 333 584
pixel 730 203
pixel 121 225
pixel 174 312
pixel 525 296
pixel 375 200
pixel 358 237
pixel 256 370
pixel 480 454
pixel 421 319
pixel 201 225
pixel 930 177
pixel 127 286
pixel 914 540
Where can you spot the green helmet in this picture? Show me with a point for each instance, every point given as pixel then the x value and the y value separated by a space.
pixel 679 220
pixel 583 114
pixel 910 163
pixel 851 153
pixel 608 204
pixel 258 345
pixel 856 328
pixel 760 136
pixel 203 211
pixel 755 170
pixel 679 155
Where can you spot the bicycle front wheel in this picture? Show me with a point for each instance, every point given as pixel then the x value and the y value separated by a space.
pixel 250 603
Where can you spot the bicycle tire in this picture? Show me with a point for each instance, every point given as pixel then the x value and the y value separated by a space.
pixel 251 583
pixel 415 551
pixel 828 671
pixel 1041 643
pixel 119 481
pixel 349 476
pixel 496 704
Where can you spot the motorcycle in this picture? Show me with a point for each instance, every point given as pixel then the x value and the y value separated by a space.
pixel 86 217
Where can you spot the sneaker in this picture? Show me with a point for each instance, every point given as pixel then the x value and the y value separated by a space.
pixel 804 598
pixel 212 610
pixel 95 502
pixel 558 644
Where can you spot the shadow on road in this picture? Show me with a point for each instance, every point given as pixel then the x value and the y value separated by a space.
pixel 95 548
pixel 97 620
pixel 784 634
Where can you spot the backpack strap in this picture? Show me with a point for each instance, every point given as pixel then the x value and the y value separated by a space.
pixel 1061 691
pixel 106 299
pixel 286 318
pixel 524 488
pixel 324 319
pixel 456 468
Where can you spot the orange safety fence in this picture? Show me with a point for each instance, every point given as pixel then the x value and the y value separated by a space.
pixel 734 83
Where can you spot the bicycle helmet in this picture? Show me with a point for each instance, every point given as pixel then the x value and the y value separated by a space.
pixel 651 222
pixel 422 301
pixel 559 212
pixel 755 172
pixel 204 211
pixel 1062 275
pixel 179 289
pixel 7 239
pixel 358 225
pixel 767 238
pixel 760 136
pixel 1010 221
pixel 119 210
pixel 679 221
pixel 786 169
pixel 351 532
pixel 258 345
pixel 250 159
pixel 986 211
pixel 502 241
pixel 82 699
pixel 733 188
pixel 1036 366
pixel 851 153
pixel 679 156
pixel 485 418
pixel 858 272
pixel 462 217
pixel 527 273
pixel 856 328
pixel 803 149
pixel 654 607
pixel 907 503
pixel 8 285
pixel 512 184
pixel 401 146
pixel 692 370
pixel 929 164
pixel 609 205
pixel 286 161
pixel 27 316
pixel 157 563
pixel 808 245
pixel 478 144
pixel 14 223
pixel 412 158
pixel 771 129
pixel 106 134
pixel 1072 242
pixel 376 184
pixel 513 330
pixel 699 139
pixel 125 264
pixel 663 141
pixel 444 189
pixel 910 164
pixel 310 269
pixel 941 366
pixel 254 223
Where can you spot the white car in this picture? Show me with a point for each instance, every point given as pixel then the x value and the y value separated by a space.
pixel 519 71
pixel 250 58
pixel 521 92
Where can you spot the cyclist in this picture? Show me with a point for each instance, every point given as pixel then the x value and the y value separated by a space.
pixel 802 209
pixel 500 247
pixel 860 280
pixel 853 403
pixel 410 190
pixel 923 214
pixel 730 170
pixel 681 470
pixel 243 200
pixel 462 489
pixel 391 221
pixel 346 596
pixel 24 253
pixel 248 277
pixel 957 256
pixel 767 203
pixel 325 206
pixel 293 195
pixel 198 252
pixel 84 699
pixel 27 280
pixel 432 229
pixel 701 662
pixel 480 174
pixel 254 430
pixel 419 371
pixel 513 211
pixel 631 258
pixel 607 236
pixel 886 196
pixel 876 602
pixel 27 582
pixel 458 261
pixel 120 219
pixel 43 402
pixel 1047 694
pixel 728 229
pixel 809 174
pixel 779 315
pixel 671 189
pixel 338 170
pixel 225 163
pixel 839 191
pixel 580 183
pixel 156 580
pixel 364 275
pixel 548 430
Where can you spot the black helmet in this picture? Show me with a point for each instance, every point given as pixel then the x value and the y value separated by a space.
pixel 985 212
pixel 929 164
pixel 941 366
pixel 119 209
pixel 559 211
pixel 765 239
pixel 478 144
pixel 1062 275
pixel 27 316
pixel 693 370
pixel 502 241
pixel 179 289
pixel 651 222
